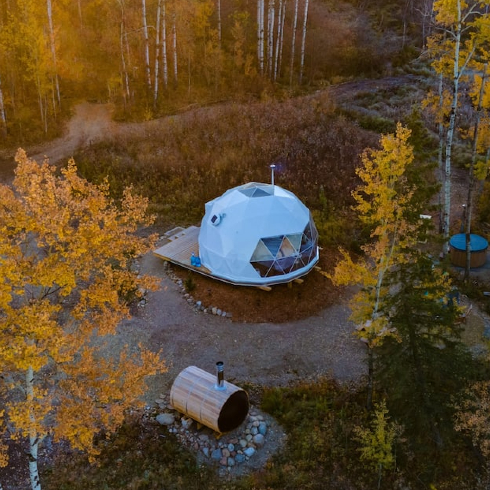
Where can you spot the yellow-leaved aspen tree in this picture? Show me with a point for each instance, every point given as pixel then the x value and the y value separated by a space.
pixel 453 51
pixel 378 441
pixel 67 275
pixel 382 201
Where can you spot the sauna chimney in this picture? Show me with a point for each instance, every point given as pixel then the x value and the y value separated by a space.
pixel 220 376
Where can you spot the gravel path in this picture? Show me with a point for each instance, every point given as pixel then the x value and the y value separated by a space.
pixel 253 353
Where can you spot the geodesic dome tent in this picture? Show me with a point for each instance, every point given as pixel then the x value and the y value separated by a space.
pixel 258 234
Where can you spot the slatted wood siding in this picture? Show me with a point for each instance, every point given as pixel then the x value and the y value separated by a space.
pixel 194 394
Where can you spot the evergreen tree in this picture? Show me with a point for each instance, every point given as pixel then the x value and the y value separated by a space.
pixel 424 363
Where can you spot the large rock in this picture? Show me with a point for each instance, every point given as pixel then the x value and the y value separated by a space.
pixel 259 440
pixel 249 452
pixel 216 454
pixel 262 428
pixel 165 418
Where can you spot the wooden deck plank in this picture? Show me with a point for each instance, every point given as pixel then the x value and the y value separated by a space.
pixel 180 249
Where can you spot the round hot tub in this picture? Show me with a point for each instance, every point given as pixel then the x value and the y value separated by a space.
pixel 478 250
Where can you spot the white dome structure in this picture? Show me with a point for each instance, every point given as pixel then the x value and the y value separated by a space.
pixel 258 234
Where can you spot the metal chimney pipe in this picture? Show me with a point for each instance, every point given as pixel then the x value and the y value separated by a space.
pixel 220 376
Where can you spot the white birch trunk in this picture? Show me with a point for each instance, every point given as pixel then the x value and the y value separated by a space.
pixel 426 14
pixel 303 43
pixel 258 31
pixel 33 436
pixel 471 183
pixel 80 17
pixel 293 41
pixel 3 118
pixel 281 40
pixel 260 35
pixel 53 50
pixel 164 44
pixel 174 47
pixel 440 160
pixel 157 52
pixel 270 37
pixel 459 69
pixel 278 39
pixel 218 8
pixel 449 136
pixel 41 104
pixel 125 74
pixel 147 45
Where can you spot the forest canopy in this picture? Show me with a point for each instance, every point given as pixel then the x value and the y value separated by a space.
pixel 155 57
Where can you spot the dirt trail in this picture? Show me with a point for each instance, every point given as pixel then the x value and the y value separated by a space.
pixel 90 123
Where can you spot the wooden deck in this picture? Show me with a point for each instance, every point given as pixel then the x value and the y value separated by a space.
pixel 182 244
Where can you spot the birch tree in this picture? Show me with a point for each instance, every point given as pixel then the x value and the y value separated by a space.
pixel 66 263
pixel 270 37
pixel 53 50
pixel 164 44
pixel 260 35
pixel 293 42
pixel 146 45
pixel 3 118
pixel 452 55
pixel 157 52
pixel 387 201
pixel 279 38
pixel 122 51
pixel 174 48
pixel 479 96
pixel 303 43
pixel 218 9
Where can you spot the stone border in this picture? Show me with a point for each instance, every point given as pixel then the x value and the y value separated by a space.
pixel 245 449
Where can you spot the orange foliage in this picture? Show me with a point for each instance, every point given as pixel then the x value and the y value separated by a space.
pixel 67 256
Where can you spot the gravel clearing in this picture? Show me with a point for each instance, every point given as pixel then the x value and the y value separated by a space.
pixel 266 354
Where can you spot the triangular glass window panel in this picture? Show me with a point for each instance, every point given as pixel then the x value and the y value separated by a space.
pixel 286 249
pixel 258 192
pixel 306 242
pixel 307 230
pixel 298 265
pixel 295 241
pixel 248 192
pixel 311 254
pixel 261 252
pixel 276 269
pixel 302 262
pixel 263 267
pixel 286 264
pixel 273 243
